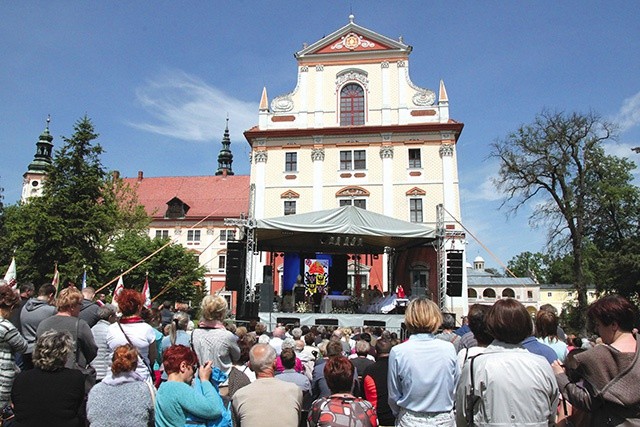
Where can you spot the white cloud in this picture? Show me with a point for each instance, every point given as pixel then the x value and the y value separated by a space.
pixel 620 149
pixel 479 185
pixel 629 114
pixel 187 108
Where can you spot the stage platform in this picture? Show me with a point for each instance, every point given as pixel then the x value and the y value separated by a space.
pixel 392 322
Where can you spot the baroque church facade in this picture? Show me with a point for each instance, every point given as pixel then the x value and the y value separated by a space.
pixel 356 130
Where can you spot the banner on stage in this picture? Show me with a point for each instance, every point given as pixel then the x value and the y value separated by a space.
pixel 316 276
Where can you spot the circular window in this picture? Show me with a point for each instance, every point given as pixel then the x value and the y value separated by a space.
pixel 34 183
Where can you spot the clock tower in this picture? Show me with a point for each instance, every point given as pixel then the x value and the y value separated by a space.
pixel 35 175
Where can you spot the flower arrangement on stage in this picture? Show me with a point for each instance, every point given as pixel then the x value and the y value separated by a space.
pixel 350 307
pixel 303 307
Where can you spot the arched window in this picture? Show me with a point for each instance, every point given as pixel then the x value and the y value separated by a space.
pixel 352 105
pixel 472 293
pixel 489 293
pixel 508 293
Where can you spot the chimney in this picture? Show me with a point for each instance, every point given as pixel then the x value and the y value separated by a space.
pixel 140 176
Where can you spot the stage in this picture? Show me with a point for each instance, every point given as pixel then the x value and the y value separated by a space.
pixel 392 322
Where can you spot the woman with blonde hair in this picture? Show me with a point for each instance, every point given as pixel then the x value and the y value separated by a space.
pixel 124 398
pixel 69 303
pixel 419 396
pixel 212 341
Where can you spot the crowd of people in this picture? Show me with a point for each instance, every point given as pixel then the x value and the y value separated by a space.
pixel 70 359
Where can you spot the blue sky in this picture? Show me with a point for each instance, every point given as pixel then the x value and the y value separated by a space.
pixel 159 77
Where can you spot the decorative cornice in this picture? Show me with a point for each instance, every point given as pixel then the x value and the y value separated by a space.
pixel 386 152
pixel 446 150
pixel 304 69
pixel 320 67
pixel 400 64
pixel 384 64
pixel 317 154
pixel 260 156
pixel 353 191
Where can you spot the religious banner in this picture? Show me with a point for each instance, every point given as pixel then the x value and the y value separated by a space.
pixel 316 276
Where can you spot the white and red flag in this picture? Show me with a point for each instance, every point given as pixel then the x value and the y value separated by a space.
pixel 146 292
pixel 11 277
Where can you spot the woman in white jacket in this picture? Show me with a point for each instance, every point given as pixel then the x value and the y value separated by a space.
pixel 507 385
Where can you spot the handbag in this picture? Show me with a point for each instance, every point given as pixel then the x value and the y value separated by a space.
pixel 472 399
pixel 88 371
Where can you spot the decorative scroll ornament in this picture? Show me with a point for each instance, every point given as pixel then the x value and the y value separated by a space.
pixel 353 192
pixel 386 152
pixel 282 103
pixel 260 156
pixel 384 64
pixel 319 67
pixel 351 41
pixel 304 69
pixel 424 97
pixel 446 150
pixel 352 75
pixel 317 154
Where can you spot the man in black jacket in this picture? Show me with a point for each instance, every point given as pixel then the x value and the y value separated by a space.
pixel 374 380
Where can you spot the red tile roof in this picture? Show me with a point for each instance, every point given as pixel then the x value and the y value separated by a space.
pixel 207 196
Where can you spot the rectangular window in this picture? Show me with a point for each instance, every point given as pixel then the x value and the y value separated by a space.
pixel 529 294
pixel 359 160
pixel 162 234
pixel 548 294
pixel 353 160
pixel 358 203
pixel 193 235
pixel 226 235
pixel 291 162
pixel 290 207
pixel 415 210
pixel 569 294
pixel 222 262
pixel 414 158
pixel 345 161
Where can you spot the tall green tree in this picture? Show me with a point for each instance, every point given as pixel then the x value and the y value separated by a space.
pixel 174 270
pixel 547 162
pixel 528 264
pixel 76 218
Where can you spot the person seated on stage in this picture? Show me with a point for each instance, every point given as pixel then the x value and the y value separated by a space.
pixel 400 292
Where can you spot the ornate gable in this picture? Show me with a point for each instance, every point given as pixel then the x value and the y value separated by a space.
pixel 352 191
pixel 353 38
pixel 290 194
pixel 415 191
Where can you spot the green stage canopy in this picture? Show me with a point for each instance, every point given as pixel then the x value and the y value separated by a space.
pixel 347 229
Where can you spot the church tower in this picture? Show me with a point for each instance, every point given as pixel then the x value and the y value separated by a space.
pixel 225 158
pixel 35 175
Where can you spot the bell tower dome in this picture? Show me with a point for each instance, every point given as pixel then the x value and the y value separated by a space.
pixel 35 175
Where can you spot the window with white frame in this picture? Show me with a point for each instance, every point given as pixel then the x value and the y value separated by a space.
pixel 358 203
pixel 289 207
pixel 353 160
pixel 226 235
pixel 414 158
pixel 193 236
pixel 162 234
pixel 222 262
pixel 291 162
pixel 415 210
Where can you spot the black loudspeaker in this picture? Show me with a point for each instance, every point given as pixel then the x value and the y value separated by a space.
pixel 266 289
pixel 288 320
pixel 327 322
pixel 380 323
pixel 338 273
pixel 299 294
pixel 235 271
pixel 454 273
pixel 248 310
